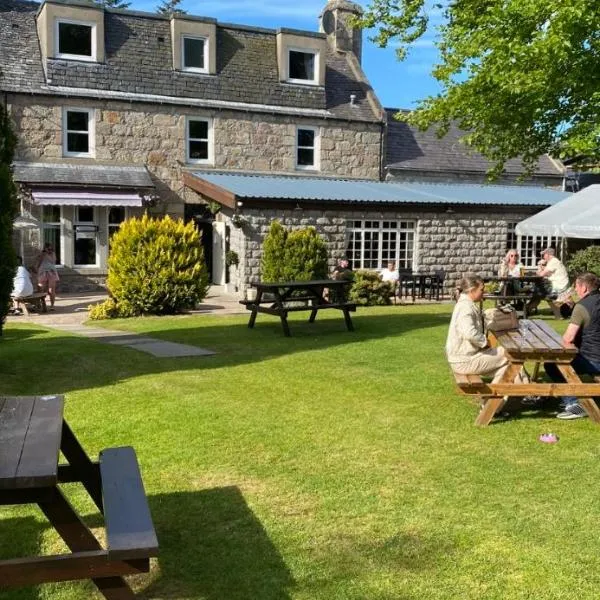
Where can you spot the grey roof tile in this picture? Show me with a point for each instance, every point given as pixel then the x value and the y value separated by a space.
pixel 408 149
pixel 139 60
pixel 77 174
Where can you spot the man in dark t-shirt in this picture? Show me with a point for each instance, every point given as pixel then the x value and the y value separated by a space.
pixel 584 332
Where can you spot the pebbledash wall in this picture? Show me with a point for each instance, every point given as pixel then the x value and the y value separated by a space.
pixel 473 241
pixel 154 136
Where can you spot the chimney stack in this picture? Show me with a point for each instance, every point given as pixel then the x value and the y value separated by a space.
pixel 335 22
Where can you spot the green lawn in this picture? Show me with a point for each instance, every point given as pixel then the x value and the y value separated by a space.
pixel 330 465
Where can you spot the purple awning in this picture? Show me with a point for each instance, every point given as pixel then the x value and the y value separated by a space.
pixel 70 198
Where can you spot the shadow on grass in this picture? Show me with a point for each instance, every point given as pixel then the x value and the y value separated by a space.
pixel 19 538
pixel 213 546
pixel 38 361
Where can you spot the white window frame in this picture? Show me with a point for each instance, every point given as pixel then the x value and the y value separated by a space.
pixel 93 40
pixel 199 161
pixel 383 255
pixel 206 53
pixel 91 132
pixel 529 246
pixel 316 57
pixel 55 226
pixel 316 148
pixel 110 226
pixel 95 223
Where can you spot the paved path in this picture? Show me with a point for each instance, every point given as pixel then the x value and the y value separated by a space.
pixel 70 313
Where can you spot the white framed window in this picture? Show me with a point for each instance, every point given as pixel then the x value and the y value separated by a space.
pixel 78 132
pixel 194 54
pixel 303 66
pixel 530 246
pixel 199 140
pixel 116 215
pixel 372 244
pixel 51 229
pixel 75 40
pixel 85 229
pixel 308 148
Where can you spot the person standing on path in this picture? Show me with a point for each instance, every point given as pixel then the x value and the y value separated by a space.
pixel 47 273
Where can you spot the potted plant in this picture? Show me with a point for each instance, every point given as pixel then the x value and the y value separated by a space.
pixel 232 260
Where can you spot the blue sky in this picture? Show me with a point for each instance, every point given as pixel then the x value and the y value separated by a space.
pixel 398 85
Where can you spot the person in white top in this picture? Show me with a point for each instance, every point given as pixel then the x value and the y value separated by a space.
pixel 558 289
pixel 390 274
pixel 511 266
pixel 22 285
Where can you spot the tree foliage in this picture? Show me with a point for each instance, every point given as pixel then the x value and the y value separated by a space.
pixel 522 77
pixel 156 266
pixel 170 7
pixel 584 261
pixel 299 255
pixel 113 3
pixel 8 211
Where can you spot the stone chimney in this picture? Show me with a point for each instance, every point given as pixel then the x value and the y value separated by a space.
pixel 335 22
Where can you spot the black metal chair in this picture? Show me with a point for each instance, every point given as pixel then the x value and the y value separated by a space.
pixel 406 283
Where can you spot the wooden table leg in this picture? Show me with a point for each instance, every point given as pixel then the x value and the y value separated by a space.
pixel 495 403
pixel 79 538
pixel 86 471
pixel 348 320
pixel 588 404
pixel 284 323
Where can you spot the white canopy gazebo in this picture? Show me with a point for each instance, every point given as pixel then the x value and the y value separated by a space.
pixel 577 216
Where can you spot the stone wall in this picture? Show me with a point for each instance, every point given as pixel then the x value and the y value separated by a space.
pixel 154 135
pixel 458 243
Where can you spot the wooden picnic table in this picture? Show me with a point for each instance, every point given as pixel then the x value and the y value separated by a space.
pixel 528 290
pixel 535 341
pixel 292 296
pixel 32 432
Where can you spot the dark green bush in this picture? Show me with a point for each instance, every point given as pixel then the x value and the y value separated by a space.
pixel 156 266
pixel 369 290
pixel 8 211
pixel 298 255
pixel 586 260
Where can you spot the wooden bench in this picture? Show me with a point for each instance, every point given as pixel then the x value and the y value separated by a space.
pixel 38 300
pixel 129 529
pixel 469 384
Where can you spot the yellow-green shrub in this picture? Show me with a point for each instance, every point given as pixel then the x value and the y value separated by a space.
pixel 156 266
pixel 105 310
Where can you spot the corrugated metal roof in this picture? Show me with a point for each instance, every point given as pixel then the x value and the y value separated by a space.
pixel 338 190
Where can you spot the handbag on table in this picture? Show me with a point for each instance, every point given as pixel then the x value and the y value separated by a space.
pixel 500 318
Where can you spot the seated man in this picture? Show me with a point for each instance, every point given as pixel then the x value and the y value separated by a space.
pixel 558 289
pixel 22 286
pixel 343 270
pixel 584 332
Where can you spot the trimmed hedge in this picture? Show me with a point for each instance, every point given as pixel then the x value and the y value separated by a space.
pixel 298 255
pixel 369 290
pixel 156 266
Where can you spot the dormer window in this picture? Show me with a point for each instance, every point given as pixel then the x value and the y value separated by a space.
pixel 302 66
pixel 76 40
pixel 194 53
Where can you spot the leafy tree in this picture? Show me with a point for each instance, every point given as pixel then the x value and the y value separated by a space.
pixel 8 210
pixel 113 3
pixel 521 76
pixel 586 260
pixel 156 266
pixel 170 7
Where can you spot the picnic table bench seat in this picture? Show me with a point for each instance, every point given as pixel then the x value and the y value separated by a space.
pixel 38 300
pixel 129 529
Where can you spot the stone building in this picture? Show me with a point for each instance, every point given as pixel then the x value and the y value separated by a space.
pixel 118 112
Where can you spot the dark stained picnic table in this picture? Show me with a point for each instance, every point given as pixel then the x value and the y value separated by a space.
pixel 292 296
pixel 32 433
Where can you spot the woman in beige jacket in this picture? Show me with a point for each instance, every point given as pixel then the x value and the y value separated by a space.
pixel 466 346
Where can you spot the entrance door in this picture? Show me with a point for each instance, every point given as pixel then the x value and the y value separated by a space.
pixel 203 219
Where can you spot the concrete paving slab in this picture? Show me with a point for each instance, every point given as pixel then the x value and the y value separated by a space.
pixel 162 349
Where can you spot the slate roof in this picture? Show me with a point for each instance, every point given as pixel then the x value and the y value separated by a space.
pixel 49 174
pixel 409 149
pixel 321 189
pixel 139 61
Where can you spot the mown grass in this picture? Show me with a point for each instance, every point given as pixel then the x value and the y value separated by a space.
pixel 330 465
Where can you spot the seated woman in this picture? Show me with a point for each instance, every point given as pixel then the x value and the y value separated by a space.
pixel 467 349
pixel 22 286
pixel 511 267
